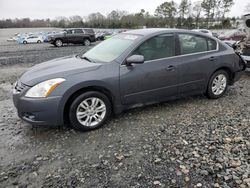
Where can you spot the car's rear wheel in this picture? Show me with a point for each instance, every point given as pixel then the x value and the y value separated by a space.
pixel 58 43
pixel 218 84
pixel 39 41
pixel 89 111
pixel 25 42
pixel 86 42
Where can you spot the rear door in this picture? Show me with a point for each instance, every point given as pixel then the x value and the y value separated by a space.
pixel 154 80
pixel 69 36
pixel 78 36
pixel 196 60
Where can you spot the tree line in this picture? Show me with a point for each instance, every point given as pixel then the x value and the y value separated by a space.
pixel 199 14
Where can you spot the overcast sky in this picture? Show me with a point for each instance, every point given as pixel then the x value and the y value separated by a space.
pixel 53 8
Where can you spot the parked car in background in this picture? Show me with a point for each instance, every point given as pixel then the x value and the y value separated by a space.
pixel 74 36
pixel 131 69
pixel 216 35
pixel 101 35
pixel 205 31
pixel 30 39
pixel 233 35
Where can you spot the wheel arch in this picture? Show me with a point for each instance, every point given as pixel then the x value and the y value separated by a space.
pixel 228 70
pixel 76 93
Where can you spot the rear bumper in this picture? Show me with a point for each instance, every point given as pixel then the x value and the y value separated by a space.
pixel 237 76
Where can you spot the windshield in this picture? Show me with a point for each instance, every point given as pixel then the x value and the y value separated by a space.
pixel 112 48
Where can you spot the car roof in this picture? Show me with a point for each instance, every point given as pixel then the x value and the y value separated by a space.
pixel 76 28
pixel 151 31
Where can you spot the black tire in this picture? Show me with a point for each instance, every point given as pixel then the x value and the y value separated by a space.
pixel 39 41
pixel 25 42
pixel 75 123
pixel 86 42
pixel 210 92
pixel 58 43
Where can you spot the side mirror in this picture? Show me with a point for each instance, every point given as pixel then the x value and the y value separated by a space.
pixel 135 59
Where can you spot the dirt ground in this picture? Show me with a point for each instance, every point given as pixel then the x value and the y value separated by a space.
pixel 191 142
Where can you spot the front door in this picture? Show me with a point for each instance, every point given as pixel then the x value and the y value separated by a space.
pixel 157 78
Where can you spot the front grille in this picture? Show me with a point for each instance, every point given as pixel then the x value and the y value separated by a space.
pixel 19 87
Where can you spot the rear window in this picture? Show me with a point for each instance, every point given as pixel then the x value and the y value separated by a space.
pixel 78 31
pixel 91 31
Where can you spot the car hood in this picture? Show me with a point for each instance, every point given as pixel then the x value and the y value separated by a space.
pixel 57 68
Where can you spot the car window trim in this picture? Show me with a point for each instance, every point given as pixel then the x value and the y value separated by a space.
pixel 166 58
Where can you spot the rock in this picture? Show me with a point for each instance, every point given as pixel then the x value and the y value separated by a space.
pixel 216 185
pixel 204 172
pixel 247 181
pixel 226 178
pixel 120 157
pixel 235 163
pixel 105 162
pixel 219 159
pixel 238 181
pixel 173 181
pixel 39 158
pixel 187 179
pixel 185 142
pixel 158 160
pixel 178 173
pixel 157 183
pixel 238 139
pixel 199 185
pixel 227 140
pixel 185 171
pixel 218 165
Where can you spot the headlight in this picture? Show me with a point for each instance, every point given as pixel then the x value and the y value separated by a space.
pixel 44 89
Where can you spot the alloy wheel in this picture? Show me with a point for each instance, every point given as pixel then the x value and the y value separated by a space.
pixel 219 84
pixel 91 111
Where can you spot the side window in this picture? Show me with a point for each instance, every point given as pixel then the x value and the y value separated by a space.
pixel 158 47
pixel 193 44
pixel 69 31
pixel 78 31
pixel 212 44
pixel 89 31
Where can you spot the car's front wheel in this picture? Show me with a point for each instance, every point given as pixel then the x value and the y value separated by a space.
pixel 218 84
pixel 89 111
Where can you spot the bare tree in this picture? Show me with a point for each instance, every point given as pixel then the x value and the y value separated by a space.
pixel 197 12
pixel 167 11
pixel 247 10
pixel 208 6
pixel 226 6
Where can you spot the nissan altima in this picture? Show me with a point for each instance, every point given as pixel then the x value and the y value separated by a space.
pixel 131 69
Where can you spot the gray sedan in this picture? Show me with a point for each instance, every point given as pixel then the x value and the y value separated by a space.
pixel 131 69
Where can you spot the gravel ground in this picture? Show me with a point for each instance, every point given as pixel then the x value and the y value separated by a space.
pixel 191 142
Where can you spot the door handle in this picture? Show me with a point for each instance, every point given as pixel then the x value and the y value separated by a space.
pixel 212 58
pixel 170 68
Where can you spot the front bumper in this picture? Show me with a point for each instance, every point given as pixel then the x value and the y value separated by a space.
pixel 42 111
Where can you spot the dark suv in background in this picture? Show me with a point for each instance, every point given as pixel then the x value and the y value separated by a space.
pixel 73 36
